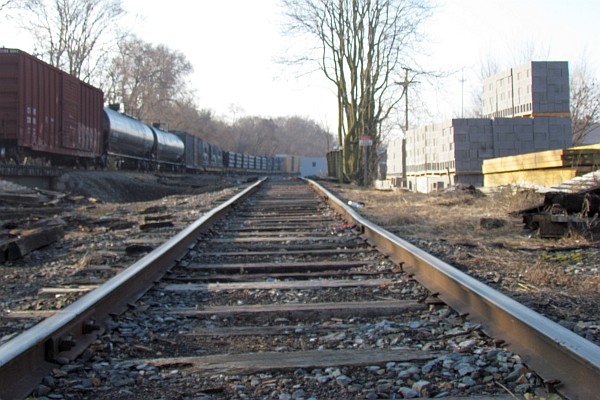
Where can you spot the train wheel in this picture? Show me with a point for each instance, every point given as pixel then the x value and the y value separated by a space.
pixel 15 157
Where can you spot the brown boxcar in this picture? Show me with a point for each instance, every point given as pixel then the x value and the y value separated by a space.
pixel 45 112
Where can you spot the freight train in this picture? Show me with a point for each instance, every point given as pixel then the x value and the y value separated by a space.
pixel 50 117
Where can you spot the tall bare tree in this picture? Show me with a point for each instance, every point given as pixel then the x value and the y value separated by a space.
pixel 5 4
pixel 150 80
pixel 283 135
pixel 585 101
pixel 488 67
pixel 363 44
pixel 68 32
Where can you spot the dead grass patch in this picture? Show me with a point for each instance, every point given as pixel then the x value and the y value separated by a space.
pixel 544 274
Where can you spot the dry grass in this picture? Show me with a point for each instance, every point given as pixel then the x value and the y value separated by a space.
pixel 448 215
pixel 447 224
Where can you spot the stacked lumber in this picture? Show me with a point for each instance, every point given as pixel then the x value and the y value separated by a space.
pixel 544 168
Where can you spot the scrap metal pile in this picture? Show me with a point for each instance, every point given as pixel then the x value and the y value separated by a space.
pixel 564 212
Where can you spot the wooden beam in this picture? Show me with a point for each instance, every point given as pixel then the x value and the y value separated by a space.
pixel 280 285
pixel 290 275
pixel 31 240
pixel 266 330
pixel 284 252
pixel 250 363
pixel 311 311
pixel 281 267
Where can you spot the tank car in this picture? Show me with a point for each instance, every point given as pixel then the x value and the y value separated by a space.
pixel 169 151
pixel 129 142
pixel 47 115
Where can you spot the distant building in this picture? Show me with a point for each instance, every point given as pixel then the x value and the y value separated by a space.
pixel 313 166
pixel 452 152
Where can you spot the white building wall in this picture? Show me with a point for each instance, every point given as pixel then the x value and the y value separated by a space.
pixel 313 166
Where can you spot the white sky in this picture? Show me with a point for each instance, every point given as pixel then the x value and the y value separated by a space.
pixel 233 45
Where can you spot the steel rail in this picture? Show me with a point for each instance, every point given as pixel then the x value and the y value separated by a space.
pixel 559 356
pixel 27 358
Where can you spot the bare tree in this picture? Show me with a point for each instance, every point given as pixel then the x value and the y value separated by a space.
pixel 150 81
pixel 5 4
pixel 284 135
pixel 585 102
pixel 488 67
pixel 301 136
pixel 68 32
pixel 530 50
pixel 363 45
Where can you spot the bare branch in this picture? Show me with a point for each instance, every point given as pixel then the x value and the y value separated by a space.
pixel 68 32
pixel 585 101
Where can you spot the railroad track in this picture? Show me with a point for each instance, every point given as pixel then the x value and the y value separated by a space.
pixel 289 297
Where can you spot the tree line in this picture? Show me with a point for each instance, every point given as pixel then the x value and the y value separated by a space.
pixel 149 81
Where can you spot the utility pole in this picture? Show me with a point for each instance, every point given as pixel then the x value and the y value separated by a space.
pixel 404 85
pixel 462 92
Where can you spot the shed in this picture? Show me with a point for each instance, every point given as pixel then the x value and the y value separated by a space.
pixel 313 166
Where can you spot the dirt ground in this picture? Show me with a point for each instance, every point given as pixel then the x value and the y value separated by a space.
pixel 476 233
pixel 99 212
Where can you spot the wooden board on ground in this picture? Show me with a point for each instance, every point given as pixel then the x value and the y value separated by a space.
pixel 30 240
pixel 310 311
pixel 266 330
pixel 285 252
pixel 250 363
pixel 291 275
pixel 279 285
pixel 281 267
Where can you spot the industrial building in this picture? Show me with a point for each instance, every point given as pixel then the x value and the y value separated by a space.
pixel 313 166
pixel 527 110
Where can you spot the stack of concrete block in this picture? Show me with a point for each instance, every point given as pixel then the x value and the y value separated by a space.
pixel 552 133
pixel 550 87
pixel 394 158
pixel 512 136
pixel 467 142
pixel 473 142
pixel 537 87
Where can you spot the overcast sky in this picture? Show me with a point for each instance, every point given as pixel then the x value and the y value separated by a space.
pixel 233 45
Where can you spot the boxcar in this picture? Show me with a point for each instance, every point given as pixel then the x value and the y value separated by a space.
pixel 190 157
pixel 251 162
pixel 233 160
pixel 47 113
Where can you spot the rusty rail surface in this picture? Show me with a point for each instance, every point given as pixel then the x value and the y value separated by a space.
pixel 555 353
pixel 26 359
